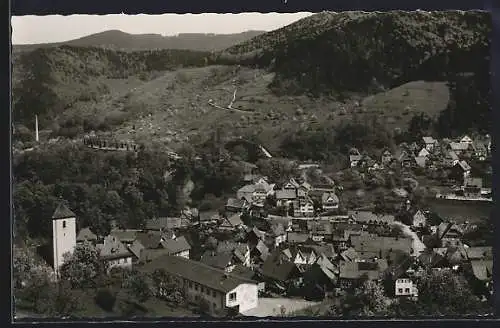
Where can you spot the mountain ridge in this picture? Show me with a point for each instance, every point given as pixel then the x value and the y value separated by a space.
pixel 119 40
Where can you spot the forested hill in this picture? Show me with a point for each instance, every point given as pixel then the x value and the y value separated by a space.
pixel 363 52
pixel 118 40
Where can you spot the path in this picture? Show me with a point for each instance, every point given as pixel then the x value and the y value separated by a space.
pixel 270 307
pixel 418 245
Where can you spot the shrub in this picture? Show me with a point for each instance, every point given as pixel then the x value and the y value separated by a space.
pixel 105 299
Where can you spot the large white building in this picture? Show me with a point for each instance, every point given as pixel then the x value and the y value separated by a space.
pixel 219 289
pixel 63 234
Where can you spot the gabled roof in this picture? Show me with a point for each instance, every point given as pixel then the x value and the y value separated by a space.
pixel 226 246
pixel 198 272
pixel 136 248
pixel 236 203
pixel 279 270
pixel 244 272
pixel 482 269
pixel 463 165
pixel 166 223
pixel 177 245
pixel 86 235
pixel 62 212
pixel 474 182
pixel 232 221
pixel 247 189
pixel 125 236
pixel 349 254
pixel 428 140
pixel 479 253
pixel 149 239
pixel 353 158
pixel 328 197
pixel 459 146
pixel 217 260
pixel 295 237
pixel 356 270
pixel 286 194
pixel 452 155
pixel 112 248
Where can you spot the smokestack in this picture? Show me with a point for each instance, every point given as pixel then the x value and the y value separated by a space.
pixel 36 129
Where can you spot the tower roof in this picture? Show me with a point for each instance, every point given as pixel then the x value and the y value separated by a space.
pixel 62 212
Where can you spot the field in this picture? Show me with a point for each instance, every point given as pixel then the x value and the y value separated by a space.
pixel 172 107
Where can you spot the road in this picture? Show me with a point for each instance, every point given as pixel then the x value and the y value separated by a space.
pixel 418 245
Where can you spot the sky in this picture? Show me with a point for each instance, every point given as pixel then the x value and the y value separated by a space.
pixel 57 28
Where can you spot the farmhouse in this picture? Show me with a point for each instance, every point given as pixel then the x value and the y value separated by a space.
pixel 221 290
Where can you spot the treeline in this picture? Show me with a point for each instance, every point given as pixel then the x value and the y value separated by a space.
pixel 332 144
pixel 101 187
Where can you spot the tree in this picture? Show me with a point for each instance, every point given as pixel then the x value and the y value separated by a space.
pixel 83 267
pixel 165 287
pixel 420 125
pixel 137 286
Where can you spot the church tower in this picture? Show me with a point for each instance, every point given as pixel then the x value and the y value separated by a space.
pixel 63 234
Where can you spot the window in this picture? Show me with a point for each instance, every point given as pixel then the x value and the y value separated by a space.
pixel 214 305
pixel 64 224
pixel 400 290
pixel 214 294
pixel 232 297
pixel 208 292
pixel 196 287
pixel 190 284
pixel 407 290
pixel 202 289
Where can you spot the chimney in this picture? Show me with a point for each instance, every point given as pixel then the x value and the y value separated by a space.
pixel 36 129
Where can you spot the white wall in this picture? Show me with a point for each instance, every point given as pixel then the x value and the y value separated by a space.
pixel 120 263
pixel 246 297
pixel 63 240
pixel 184 254
pixel 404 287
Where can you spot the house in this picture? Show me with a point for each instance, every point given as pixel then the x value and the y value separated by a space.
pixel 349 255
pixel 421 161
pixel 405 158
pixel 319 279
pixel 247 273
pixel 115 253
pixel 280 274
pixel 434 258
pixel 254 235
pixel 472 187
pixel 305 208
pixel 406 287
pixel 450 158
pixel 352 272
pixel 150 240
pixel 329 201
pixel 285 196
pixel 370 247
pixel 292 184
pixel 480 150
pixel 482 270
pixel 419 219
pixel 297 237
pixel 224 261
pixel 236 205
pixel 461 149
pixel 423 153
pixel 221 290
pixel 386 158
pixel 125 236
pixel 279 234
pixel 137 249
pixel 320 230
pixel 303 190
pixel 231 222
pixel 460 171
pixel 466 140
pixel 177 247
pixel 86 235
pixel 429 143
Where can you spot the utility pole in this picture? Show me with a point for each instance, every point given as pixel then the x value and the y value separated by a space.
pixel 36 129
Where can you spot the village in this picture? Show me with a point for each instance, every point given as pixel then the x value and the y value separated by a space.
pixel 296 240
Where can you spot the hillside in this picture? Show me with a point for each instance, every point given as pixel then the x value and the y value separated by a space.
pixel 366 52
pixel 118 40
pixel 317 73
